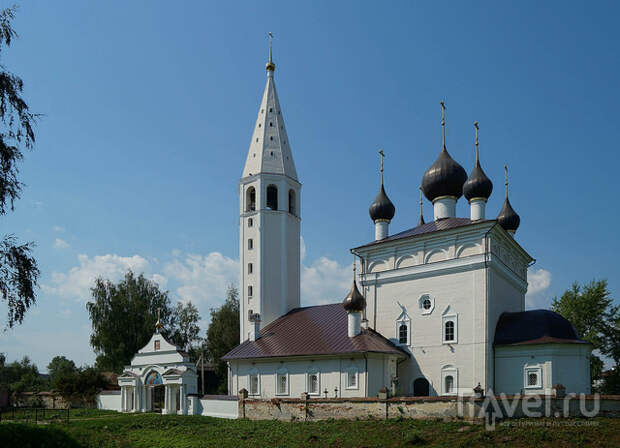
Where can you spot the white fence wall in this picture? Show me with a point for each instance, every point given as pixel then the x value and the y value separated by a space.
pixel 109 400
pixel 222 406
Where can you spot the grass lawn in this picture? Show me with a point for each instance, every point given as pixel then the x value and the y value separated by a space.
pixel 150 430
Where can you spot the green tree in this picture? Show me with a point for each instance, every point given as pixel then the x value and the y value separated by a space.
pixel 184 331
pixel 592 312
pixel 60 366
pixel 123 318
pixel 20 376
pixel 223 334
pixel 19 272
pixel 82 385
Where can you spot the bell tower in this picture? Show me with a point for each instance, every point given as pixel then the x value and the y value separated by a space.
pixel 270 218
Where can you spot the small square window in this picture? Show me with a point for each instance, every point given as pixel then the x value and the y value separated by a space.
pixel 250 291
pixel 250 244
pixel 352 379
pixel 270 109
pixel 250 268
pixel 250 222
pixel 157 345
pixel 532 377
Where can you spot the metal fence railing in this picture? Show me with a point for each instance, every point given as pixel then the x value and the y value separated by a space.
pixel 34 414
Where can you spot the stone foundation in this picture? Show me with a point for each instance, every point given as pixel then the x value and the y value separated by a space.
pixel 516 406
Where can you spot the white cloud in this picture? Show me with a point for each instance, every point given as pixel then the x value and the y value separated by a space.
pixel 325 281
pixel 61 244
pixel 203 279
pixel 161 280
pixel 302 248
pixel 538 283
pixel 76 283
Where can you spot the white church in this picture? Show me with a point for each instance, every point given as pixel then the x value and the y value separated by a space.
pixel 440 309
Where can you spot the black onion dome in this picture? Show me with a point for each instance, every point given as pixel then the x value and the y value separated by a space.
pixel 354 301
pixel 445 177
pixel 508 218
pixel 478 185
pixel 382 207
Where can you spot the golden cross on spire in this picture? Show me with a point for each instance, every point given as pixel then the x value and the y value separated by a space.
pixel 270 67
pixel 506 179
pixel 477 128
pixel 382 156
pixel 443 123
pixel 158 325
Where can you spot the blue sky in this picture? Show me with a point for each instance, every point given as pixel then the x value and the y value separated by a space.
pixel 148 112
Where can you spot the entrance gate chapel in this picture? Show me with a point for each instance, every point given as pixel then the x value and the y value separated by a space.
pixel 159 378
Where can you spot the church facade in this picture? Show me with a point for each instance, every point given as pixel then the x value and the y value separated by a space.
pixel 440 308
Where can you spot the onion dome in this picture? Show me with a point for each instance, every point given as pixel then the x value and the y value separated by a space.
pixel 478 185
pixel 354 301
pixel 382 208
pixel 445 177
pixel 508 218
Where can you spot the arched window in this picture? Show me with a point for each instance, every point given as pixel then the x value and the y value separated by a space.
pixel 449 380
pixel 292 205
pixel 449 331
pixel 250 199
pixel 402 333
pixel 449 384
pixel 272 197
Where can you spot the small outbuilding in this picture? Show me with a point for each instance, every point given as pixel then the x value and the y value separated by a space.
pixel 537 349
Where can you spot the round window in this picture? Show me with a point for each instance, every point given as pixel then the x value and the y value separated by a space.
pixel 426 304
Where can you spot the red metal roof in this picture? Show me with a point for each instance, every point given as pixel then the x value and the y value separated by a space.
pixel 314 330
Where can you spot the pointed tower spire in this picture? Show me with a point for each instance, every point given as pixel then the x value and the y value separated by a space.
pixel 381 210
pixel 443 124
pixel 270 150
pixel 421 220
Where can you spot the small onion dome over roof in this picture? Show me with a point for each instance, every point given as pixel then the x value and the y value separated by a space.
pixel 445 177
pixel 477 185
pixel 354 301
pixel 382 207
pixel 535 327
pixel 508 218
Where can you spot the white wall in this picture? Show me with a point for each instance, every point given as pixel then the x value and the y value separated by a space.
pixel 566 364
pixel 222 408
pixel 109 400
pixel 332 374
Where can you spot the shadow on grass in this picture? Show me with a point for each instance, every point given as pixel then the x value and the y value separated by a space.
pixel 30 436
